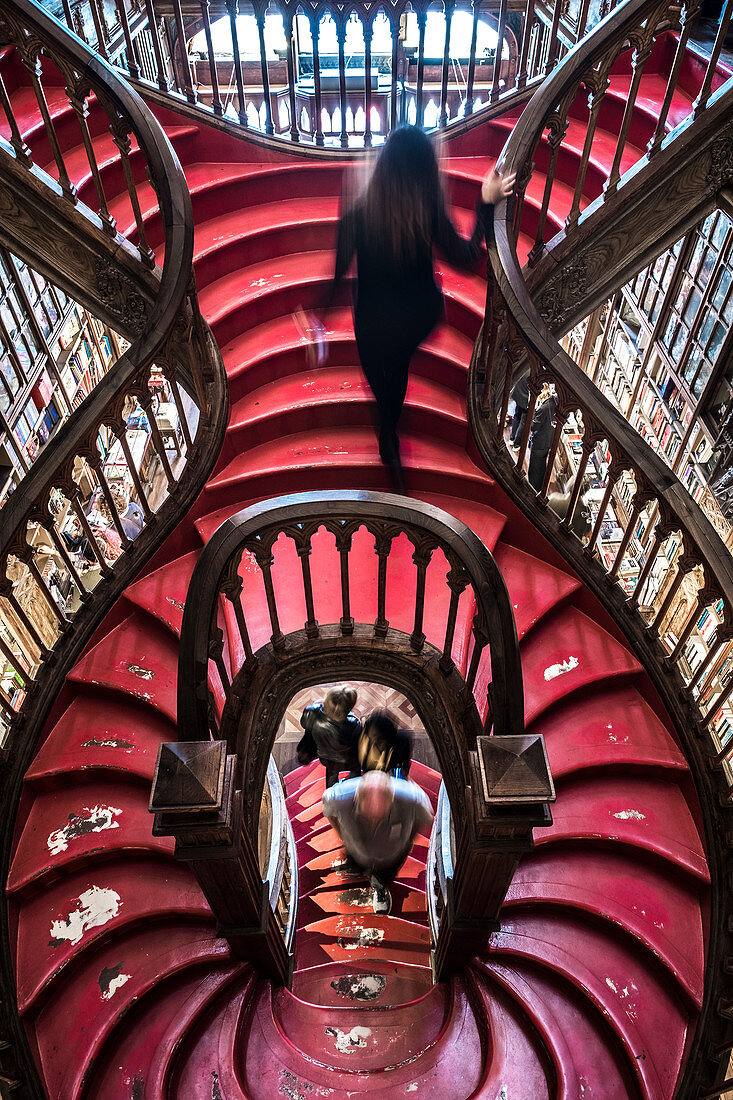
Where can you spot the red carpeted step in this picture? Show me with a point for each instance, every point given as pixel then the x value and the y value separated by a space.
pixel 358 897
pixel 163 592
pixel 379 983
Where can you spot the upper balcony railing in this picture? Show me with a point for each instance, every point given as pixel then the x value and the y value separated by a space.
pixel 298 70
pixel 125 465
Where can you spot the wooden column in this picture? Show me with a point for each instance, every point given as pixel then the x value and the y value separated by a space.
pixel 195 802
pixel 512 789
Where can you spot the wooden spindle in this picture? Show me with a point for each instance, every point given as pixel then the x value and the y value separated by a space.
pixel 121 138
pixel 688 13
pixel 443 116
pixel 422 17
pixel 14 661
pixel 716 645
pixel 161 74
pixel 99 472
pixel 587 448
pixel 292 78
pixel 582 20
pixel 368 33
pixel 134 474
pixel 343 545
pixel 66 559
pixel 598 85
pixel 626 537
pixel 557 125
pixel 79 102
pixel 34 70
pixel 264 69
pixel 554 43
pixel 68 15
pixel 47 595
pixel 100 27
pixel 686 631
pixel 132 67
pixel 21 150
pixel 496 82
pixel 704 94
pixel 635 596
pixel 216 654
pixel 265 563
pixel 472 57
pixel 231 589
pixel 718 703
pixel 638 61
pixel 146 403
pixel 534 392
pixel 182 418
pixel 341 37
pixel 311 626
pixel 185 64
pixel 35 637
pixel 422 558
pixel 395 28
pixel 523 69
pixel 315 35
pixel 457 580
pixel 682 571
pixel 382 547
pixel 86 528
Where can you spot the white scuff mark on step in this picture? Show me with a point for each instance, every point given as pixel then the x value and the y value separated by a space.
pixel 114 985
pixel 348 1041
pixel 558 669
pixel 351 935
pixel 503 1093
pixel 412 1087
pixel 97 906
pixel 91 819
pixel 611 985
pixel 630 815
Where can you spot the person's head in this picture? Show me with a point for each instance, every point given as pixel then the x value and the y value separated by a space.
pixel 375 795
pixel 380 727
pixel 404 195
pixel 338 703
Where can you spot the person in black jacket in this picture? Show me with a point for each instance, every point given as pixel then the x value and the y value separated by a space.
pixel 383 747
pixel 543 431
pixel 520 397
pixel 391 230
pixel 331 734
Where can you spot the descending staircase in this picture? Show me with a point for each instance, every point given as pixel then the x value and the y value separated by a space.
pixel 593 984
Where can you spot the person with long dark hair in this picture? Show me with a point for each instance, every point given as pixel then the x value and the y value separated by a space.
pixel 391 229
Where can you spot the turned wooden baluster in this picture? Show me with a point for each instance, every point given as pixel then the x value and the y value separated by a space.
pixel 303 547
pixel 170 375
pixel 146 403
pixel 457 580
pixel 480 641
pixel 78 98
pixel 264 69
pixel 79 26
pixel 660 534
pixel 14 662
pixel 640 56
pixel 524 175
pixel 705 598
pixel 422 17
pixel 33 65
pixel 26 622
pixel 216 103
pixel 587 448
pixel 185 62
pixel 472 56
pixel 718 703
pixel 100 27
pixel 95 461
pixel 496 82
pixel 422 557
pixel 685 564
pixel 582 20
pixel 561 416
pixel 640 502
pixel 161 73
pixel 132 66
pixel 233 10
pixel 687 17
pixel 443 117
pixel 341 38
pixel 292 76
pixel 704 94
pixel 121 432
pixel 264 558
pixel 231 589
pixel 718 647
pixel 368 34
pixel 21 150
pixel 343 545
pixel 64 555
pixel 554 44
pixel 315 21
pixel 597 82
pixel 557 125
pixel 535 385
pixel 382 547
pixel 522 71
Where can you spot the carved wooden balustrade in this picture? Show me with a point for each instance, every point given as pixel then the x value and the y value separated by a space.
pixel 113 482
pixel 576 101
pixel 617 513
pixel 304 93
pixel 244 654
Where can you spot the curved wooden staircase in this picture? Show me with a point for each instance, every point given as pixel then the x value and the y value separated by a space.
pixel 593 985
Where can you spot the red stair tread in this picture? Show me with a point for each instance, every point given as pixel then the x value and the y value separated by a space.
pixel 357 898
pixel 137 658
pixel 642 812
pixel 589 1062
pixel 378 983
pixel 81 825
pixel 163 593
pixel 565 652
pixel 96 996
pixel 97 903
pixel 534 586
pixel 663 914
pixel 646 1015
pixel 96 734
pixel 613 727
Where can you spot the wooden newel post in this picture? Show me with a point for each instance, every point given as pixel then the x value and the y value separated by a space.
pixel 512 789
pixel 195 802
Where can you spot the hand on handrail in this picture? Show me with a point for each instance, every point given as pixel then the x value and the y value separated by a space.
pixel 496 186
